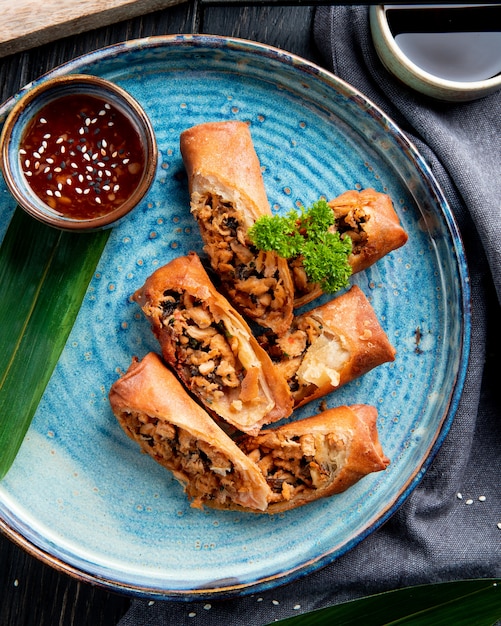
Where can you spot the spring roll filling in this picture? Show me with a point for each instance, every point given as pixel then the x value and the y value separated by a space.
pixel 293 465
pixel 254 283
pixel 206 473
pixel 204 347
pixel 309 355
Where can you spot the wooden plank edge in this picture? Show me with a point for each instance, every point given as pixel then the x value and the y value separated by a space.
pixel 52 32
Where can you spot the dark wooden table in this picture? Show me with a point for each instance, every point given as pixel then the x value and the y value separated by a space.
pixel 32 593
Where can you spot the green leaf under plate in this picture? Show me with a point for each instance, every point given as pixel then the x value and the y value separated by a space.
pixel 461 603
pixel 44 274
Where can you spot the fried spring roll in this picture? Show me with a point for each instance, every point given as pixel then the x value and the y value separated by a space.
pixel 369 218
pixel 329 346
pixel 318 456
pixel 211 347
pixel 154 409
pixel 227 195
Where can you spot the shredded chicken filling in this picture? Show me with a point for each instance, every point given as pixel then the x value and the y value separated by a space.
pixel 205 350
pixel 206 472
pixel 253 282
pixel 289 351
pixel 295 465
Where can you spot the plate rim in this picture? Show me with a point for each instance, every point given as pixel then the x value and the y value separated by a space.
pixel 318 72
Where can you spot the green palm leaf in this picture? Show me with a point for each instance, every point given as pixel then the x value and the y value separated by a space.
pixel 459 603
pixel 44 274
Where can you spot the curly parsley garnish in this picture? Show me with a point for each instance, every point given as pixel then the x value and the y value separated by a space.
pixel 308 234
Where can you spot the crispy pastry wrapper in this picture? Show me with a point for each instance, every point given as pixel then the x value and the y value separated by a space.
pixel 369 218
pixel 211 347
pixel 318 456
pixel 330 346
pixel 154 409
pixel 227 196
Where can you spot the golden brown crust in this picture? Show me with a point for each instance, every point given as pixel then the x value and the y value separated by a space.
pixel 369 218
pixel 155 411
pixel 227 195
pixel 330 346
pixel 317 457
pixel 222 154
pixel 211 347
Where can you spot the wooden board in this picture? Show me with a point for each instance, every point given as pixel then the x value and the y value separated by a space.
pixel 29 23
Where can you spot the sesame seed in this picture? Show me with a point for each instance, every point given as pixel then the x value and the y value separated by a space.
pixel 57 194
pixel 43 120
pixel 46 170
pixel 49 192
pixel 37 155
pixel 59 140
pixel 98 200
pixel 499 525
pixel 459 496
pixel 27 163
pixel 469 501
pixel 49 160
pixel 275 602
pixel 482 498
pixel 46 136
pixel 68 181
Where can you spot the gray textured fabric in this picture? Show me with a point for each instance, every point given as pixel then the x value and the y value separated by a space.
pixel 434 536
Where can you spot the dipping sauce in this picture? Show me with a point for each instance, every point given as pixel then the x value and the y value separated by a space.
pixel 455 42
pixel 82 156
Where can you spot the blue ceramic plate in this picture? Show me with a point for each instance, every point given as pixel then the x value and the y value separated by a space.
pixel 80 496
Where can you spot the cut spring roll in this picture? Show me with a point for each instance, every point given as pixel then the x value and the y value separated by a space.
pixel 370 220
pixel 329 346
pixel 227 195
pixel 211 347
pixel 154 409
pixel 318 456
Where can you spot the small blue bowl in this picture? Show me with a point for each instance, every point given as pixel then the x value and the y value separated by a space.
pixel 21 118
